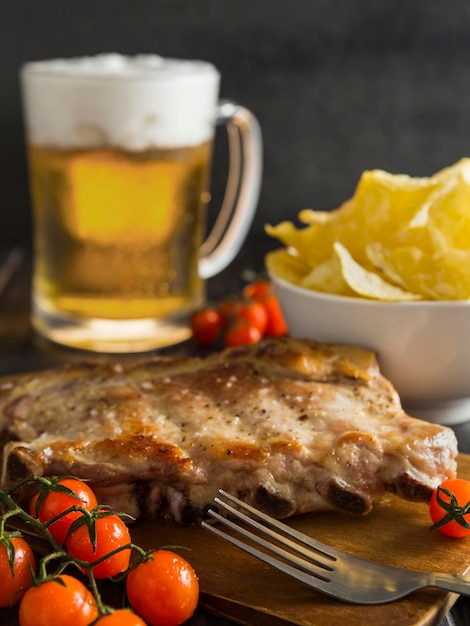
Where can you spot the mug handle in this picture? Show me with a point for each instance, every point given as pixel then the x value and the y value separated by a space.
pixel 243 188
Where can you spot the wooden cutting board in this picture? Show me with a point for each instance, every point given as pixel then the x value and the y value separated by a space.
pixel 245 590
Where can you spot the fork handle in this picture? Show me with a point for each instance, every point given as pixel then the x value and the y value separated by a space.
pixel 450 582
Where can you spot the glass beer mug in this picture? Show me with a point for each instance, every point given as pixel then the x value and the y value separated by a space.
pixel 119 153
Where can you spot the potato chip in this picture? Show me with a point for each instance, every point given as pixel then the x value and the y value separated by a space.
pixel 450 214
pixel 308 216
pixel 369 284
pixel 445 275
pixel 287 266
pixel 381 260
pixel 328 277
pixel 303 241
pixel 400 238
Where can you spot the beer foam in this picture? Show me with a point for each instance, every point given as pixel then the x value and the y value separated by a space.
pixel 111 100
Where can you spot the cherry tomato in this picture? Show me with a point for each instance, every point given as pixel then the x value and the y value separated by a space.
pixel 255 314
pixel 228 308
pixel 164 589
pixel 111 534
pixel 257 290
pixel 276 326
pixel 64 602
pixel 241 333
pixel 206 326
pixel 250 311
pixel 14 584
pixel 262 291
pixel 121 617
pixel 235 319
pixel 448 502
pixel 56 502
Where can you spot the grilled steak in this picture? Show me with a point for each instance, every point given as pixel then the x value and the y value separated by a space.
pixel 290 426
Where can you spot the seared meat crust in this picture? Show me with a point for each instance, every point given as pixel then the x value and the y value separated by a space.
pixel 290 426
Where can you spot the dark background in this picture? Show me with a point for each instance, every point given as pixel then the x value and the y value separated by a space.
pixel 339 86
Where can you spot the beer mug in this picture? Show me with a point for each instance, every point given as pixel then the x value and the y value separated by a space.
pixel 119 152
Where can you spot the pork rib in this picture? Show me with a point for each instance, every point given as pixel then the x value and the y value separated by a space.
pixel 290 426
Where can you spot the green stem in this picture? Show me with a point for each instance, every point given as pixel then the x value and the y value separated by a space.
pixel 16 511
pixel 95 591
pixel 59 554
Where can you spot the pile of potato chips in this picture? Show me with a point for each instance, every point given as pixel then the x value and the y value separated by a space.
pixel 398 238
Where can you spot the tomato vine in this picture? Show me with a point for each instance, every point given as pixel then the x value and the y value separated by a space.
pixel 92 539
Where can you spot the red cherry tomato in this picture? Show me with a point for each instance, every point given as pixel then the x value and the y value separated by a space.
pixel 206 326
pixel 241 333
pixel 111 534
pixel 228 309
pixel 447 507
pixel 241 320
pixel 257 290
pixel 255 314
pixel 276 326
pixel 164 589
pixel 121 617
pixel 262 291
pixel 56 502
pixel 14 584
pixel 63 601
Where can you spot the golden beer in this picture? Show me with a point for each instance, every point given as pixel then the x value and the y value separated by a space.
pixel 119 154
pixel 117 234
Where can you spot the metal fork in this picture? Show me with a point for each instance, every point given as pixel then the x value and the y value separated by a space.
pixel 333 572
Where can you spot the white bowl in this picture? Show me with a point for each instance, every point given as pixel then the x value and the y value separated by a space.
pixel 422 347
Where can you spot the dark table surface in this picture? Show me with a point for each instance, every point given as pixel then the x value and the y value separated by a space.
pixel 21 351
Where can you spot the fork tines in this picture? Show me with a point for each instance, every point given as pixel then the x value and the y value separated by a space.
pixel 300 556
